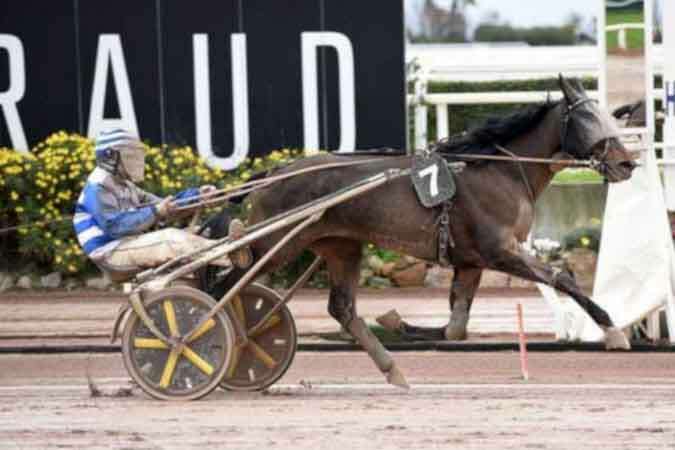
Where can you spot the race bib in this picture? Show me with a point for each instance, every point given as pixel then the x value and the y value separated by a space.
pixel 432 179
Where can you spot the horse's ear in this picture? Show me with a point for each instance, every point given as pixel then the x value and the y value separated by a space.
pixel 571 89
pixel 581 91
pixel 565 88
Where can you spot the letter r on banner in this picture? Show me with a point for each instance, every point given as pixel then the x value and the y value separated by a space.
pixel 15 91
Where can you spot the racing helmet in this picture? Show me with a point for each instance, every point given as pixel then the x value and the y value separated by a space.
pixel 122 154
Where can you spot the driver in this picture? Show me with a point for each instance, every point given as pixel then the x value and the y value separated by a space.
pixel 113 215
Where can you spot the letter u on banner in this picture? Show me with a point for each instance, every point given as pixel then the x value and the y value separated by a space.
pixel 200 47
pixel 310 97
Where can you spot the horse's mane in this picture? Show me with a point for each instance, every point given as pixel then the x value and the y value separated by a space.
pixel 496 130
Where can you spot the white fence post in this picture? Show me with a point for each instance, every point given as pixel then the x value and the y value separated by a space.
pixel 421 138
pixel 442 129
pixel 623 45
pixel 669 136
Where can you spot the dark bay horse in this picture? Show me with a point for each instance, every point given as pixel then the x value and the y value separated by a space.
pixel 491 215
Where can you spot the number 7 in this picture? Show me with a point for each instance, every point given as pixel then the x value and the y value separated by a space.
pixel 433 185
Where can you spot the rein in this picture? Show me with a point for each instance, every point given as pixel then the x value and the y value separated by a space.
pixel 516 158
pixel 222 195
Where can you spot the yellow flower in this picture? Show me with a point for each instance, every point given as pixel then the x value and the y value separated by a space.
pixel 14 196
pixel 585 241
pixel 72 268
pixel 58 260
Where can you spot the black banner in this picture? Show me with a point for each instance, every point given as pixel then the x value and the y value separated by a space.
pixel 231 78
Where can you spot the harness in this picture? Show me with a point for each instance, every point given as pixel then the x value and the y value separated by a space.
pixel 597 161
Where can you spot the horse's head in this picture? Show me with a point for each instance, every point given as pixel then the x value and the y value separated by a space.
pixel 588 132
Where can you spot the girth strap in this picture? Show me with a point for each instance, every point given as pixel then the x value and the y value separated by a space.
pixel 445 239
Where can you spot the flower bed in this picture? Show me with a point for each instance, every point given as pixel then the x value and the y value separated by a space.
pixel 43 185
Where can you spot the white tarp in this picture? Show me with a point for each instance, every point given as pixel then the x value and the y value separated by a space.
pixel 633 275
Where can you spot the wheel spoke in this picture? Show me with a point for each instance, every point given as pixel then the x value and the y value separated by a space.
pixel 195 359
pixel 169 369
pixel 261 354
pixel 150 343
pixel 170 315
pixel 239 310
pixel 271 323
pixel 236 356
pixel 208 325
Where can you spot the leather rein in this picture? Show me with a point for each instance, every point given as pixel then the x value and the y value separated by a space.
pixel 596 162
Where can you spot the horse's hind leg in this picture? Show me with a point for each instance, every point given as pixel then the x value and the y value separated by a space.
pixel 343 259
pixel 464 286
pixel 526 266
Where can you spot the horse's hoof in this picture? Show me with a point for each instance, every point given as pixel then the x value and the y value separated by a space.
pixel 615 339
pixel 396 378
pixel 391 320
pixel 455 333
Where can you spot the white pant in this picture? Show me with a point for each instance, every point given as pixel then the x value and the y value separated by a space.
pixel 155 248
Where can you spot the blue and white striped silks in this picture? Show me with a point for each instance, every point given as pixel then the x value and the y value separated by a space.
pixel 109 209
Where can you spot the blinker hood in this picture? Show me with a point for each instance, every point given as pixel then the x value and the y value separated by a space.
pixel 587 126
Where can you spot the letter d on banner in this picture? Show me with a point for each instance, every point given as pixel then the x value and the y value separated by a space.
pixel 310 97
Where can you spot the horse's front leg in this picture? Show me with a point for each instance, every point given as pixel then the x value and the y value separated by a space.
pixel 464 285
pixel 524 265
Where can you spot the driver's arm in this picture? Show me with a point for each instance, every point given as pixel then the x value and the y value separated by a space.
pixel 117 223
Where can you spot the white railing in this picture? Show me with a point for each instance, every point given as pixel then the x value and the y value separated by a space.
pixel 421 101
pixel 447 62
pixel 622 30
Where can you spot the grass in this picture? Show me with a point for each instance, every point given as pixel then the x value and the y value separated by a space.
pixel 634 38
pixel 577 176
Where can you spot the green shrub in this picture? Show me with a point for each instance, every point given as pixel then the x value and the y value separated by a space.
pixel 587 237
pixel 565 35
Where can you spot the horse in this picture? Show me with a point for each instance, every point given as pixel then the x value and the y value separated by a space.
pixel 634 113
pixel 490 217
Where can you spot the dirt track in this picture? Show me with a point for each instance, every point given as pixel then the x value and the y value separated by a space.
pixel 600 400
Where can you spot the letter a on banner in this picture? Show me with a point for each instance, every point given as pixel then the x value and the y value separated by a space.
pixel 109 53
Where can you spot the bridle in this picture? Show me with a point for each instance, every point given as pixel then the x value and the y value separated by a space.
pixel 597 161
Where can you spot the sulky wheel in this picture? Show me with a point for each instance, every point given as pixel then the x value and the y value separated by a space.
pixel 184 374
pixel 269 352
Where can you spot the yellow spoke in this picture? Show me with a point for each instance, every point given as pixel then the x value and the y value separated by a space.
pixel 239 310
pixel 261 354
pixel 234 363
pixel 170 314
pixel 271 323
pixel 150 343
pixel 202 330
pixel 169 369
pixel 195 359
